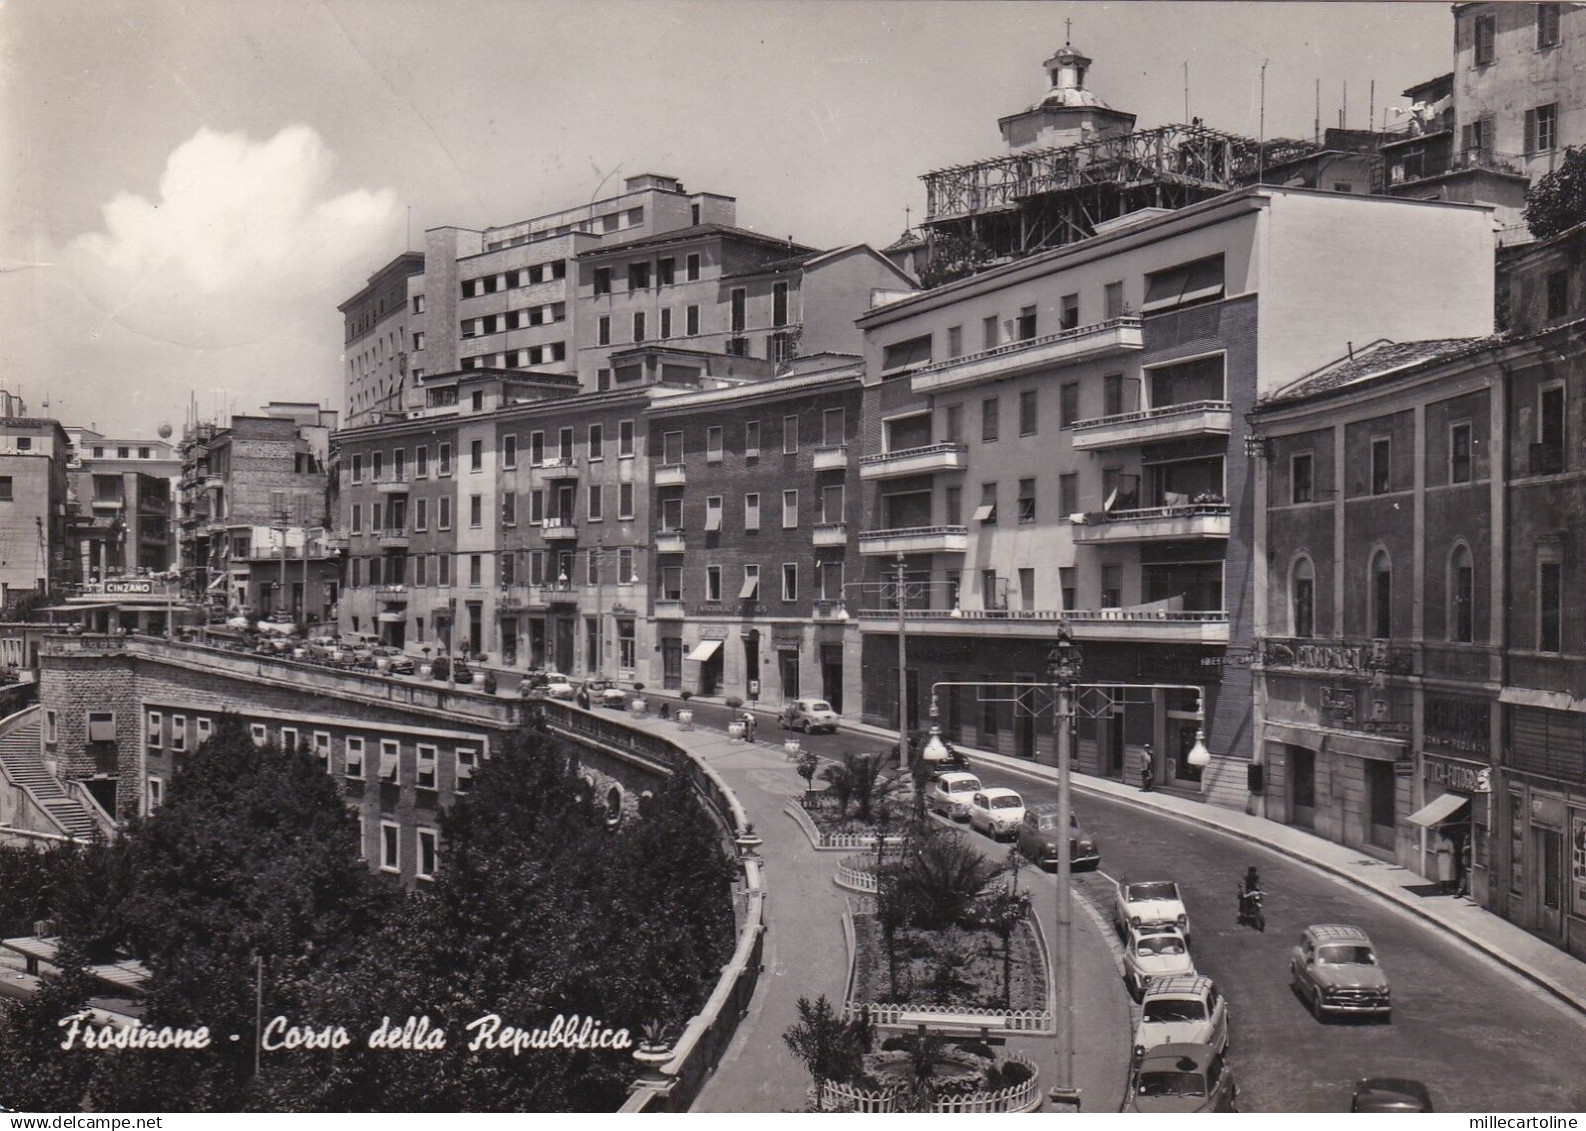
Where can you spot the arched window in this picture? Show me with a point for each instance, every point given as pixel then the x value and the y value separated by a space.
pixel 1461 595
pixel 1302 597
pixel 614 805
pixel 1381 590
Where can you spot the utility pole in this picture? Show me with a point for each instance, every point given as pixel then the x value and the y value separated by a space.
pixel 595 562
pixel 1063 669
pixel 280 524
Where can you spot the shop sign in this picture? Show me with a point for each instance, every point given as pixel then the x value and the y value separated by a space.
pixel 1314 656
pixel 1458 724
pixel 1231 658
pixel 1547 811
pixel 1459 776
pixel 1338 704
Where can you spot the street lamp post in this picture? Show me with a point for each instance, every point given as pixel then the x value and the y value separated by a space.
pixel 903 671
pixel 1063 664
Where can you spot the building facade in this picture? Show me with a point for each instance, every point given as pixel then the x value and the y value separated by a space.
pixel 1057 439
pixel 125 491
pixel 377 361
pixel 34 496
pixel 755 509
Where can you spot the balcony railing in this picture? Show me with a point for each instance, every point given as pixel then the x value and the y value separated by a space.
pixel 1153 425
pixel 923 460
pixel 1142 625
pixel 558 530
pixel 393 594
pixel 1154 524
pixel 831 534
pixel 558 467
pixel 915 540
pixel 392 539
pixel 671 475
pixel 829 610
pixel 831 459
pixel 670 542
pixel 669 610
pixel 393 485
pixel 1067 347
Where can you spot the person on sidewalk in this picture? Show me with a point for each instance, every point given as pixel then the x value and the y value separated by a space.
pixel 582 699
pixel 666 709
pixel 1147 769
pixel 748 726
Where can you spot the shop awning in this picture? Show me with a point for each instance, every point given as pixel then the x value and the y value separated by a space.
pixel 1438 810
pixel 751 586
pixel 78 608
pixel 704 650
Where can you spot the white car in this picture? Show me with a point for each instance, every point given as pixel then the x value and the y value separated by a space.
pixel 950 794
pixel 1153 903
pixel 1154 952
pixel 996 812
pixel 1184 1009
pixel 558 686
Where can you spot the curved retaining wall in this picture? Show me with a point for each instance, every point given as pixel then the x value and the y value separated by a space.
pixel 672 1083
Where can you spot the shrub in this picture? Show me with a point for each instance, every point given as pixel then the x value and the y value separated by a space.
pixel 734 702
pixel 638 687
pixel 490 683
pixel 441 668
pixel 976 1048
pixel 685 696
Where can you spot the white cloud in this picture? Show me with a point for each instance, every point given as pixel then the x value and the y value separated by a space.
pixel 241 245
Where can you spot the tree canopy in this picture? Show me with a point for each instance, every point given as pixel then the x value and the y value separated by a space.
pixel 1556 202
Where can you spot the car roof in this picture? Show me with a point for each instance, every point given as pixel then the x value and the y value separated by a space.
pixel 1393 1085
pixel 1179 985
pixel 1000 791
pixel 1136 933
pixel 1169 1055
pixel 1336 933
pixel 956 775
pixel 1127 884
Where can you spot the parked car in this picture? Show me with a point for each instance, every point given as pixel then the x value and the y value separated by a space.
pixel 1154 952
pixel 950 794
pixel 1182 1009
pixel 558 686
pixel 808 715
pixel 1391 1094
pixel 1038 839
pixel 1334 969
pixel 996 812
pixel 397 663
pixel 1181 1078
pixel 604 693
pixel 1152 903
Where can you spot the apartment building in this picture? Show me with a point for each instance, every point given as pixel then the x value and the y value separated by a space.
pixel 1060 439
pixel 714 288
pixel 125 491
pixel 377 374
pixel 755 504
pixel 259 481
pixel 34 493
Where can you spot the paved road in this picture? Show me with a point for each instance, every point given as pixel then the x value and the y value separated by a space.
pixel 1479 1036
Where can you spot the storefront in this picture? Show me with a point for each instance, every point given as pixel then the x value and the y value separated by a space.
pixel 1453 820
pixel 1541 802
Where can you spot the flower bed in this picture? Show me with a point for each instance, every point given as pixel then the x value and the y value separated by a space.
pixel 961 1082
pixel 827 841
pixel 954 969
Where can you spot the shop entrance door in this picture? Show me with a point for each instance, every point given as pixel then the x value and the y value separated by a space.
pixel 672 665
pixel 537 643
pixel 788 661
pixel 832 675
pixel 1302 786
pixel 564 645
pixel 1548 846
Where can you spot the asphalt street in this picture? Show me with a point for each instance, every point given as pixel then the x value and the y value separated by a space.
pixel 1479 1036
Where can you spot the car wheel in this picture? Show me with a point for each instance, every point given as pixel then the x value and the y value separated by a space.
pixel 1316 1005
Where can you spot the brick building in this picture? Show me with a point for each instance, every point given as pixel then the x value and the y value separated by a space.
pixel 254 493
pixel 754 500
pixel 34 491
pixel 714 288
pixel 1057 439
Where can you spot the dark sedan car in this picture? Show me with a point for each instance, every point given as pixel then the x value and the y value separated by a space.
pixel 1038 839
pixel 1390 1094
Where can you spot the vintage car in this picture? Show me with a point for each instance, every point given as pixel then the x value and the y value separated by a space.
pixel 1334 969
pixel 1391 1095
pixel 1181 1078
pixel 604 693
pixel 808 715
pixel 1182 1009
pixel 950 794
pixel 996 812
pixel 1154 902
pixel 1154 952
pixel 1039 842
pixel 558 686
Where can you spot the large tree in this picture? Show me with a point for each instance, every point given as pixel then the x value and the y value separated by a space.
pixel 1556 202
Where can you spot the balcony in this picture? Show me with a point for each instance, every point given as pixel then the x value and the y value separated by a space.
pixel 1154 524
pixel 669 610
pixel 915 540
pixel 392 539
pixel 395 485
pixel 113 503
pixel 924 460
pixel 392 594
pixel 831 534
pixel 1143 626
pixel 670 542
pixel 559 467
pixel 517 598
pixel 213 483
pixel 831 459
pixel 1153 425
pixel 1113 338
pixel 824 610
pixel 559 530
pixel 671 475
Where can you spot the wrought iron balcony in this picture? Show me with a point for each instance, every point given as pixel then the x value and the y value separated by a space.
pixel 558 530
pixel 558 467
pixel 392 539
pixel 1154 524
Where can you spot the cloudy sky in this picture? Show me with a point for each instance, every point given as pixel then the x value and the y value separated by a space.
pixel 188 188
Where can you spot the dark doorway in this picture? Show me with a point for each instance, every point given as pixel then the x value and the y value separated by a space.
pixel 672 665
pixel 710 674
pixel 788 661
pixel 476 628
pixel 537 643
pixel 1302 787
pixel 564 645
pixel 751 664
pixel 832 675
pixel 509 640
pixel 1381 788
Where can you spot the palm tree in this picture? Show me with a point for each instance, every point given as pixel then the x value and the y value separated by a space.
pixel 945 875
pixel 830 1047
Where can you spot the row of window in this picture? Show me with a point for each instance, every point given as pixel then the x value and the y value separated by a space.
pixel 640 274
pixel 520 319
pixel 834 422
pixel 831 510
pixel 515 567
pixel 510 280
pixel 426 844
pixel 544 508
pixel 518 358
pixel 1486 32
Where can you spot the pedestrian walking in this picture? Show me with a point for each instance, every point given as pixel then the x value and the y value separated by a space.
pixel 582 699
pixel 748 726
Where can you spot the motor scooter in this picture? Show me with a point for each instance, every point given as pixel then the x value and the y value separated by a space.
pixel 1250 910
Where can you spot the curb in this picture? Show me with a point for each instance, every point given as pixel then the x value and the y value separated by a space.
pixel 1502 957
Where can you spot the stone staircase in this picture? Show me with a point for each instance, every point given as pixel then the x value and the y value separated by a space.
pixel 24 768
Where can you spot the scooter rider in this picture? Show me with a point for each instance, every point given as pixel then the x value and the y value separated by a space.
pixel 1250 894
